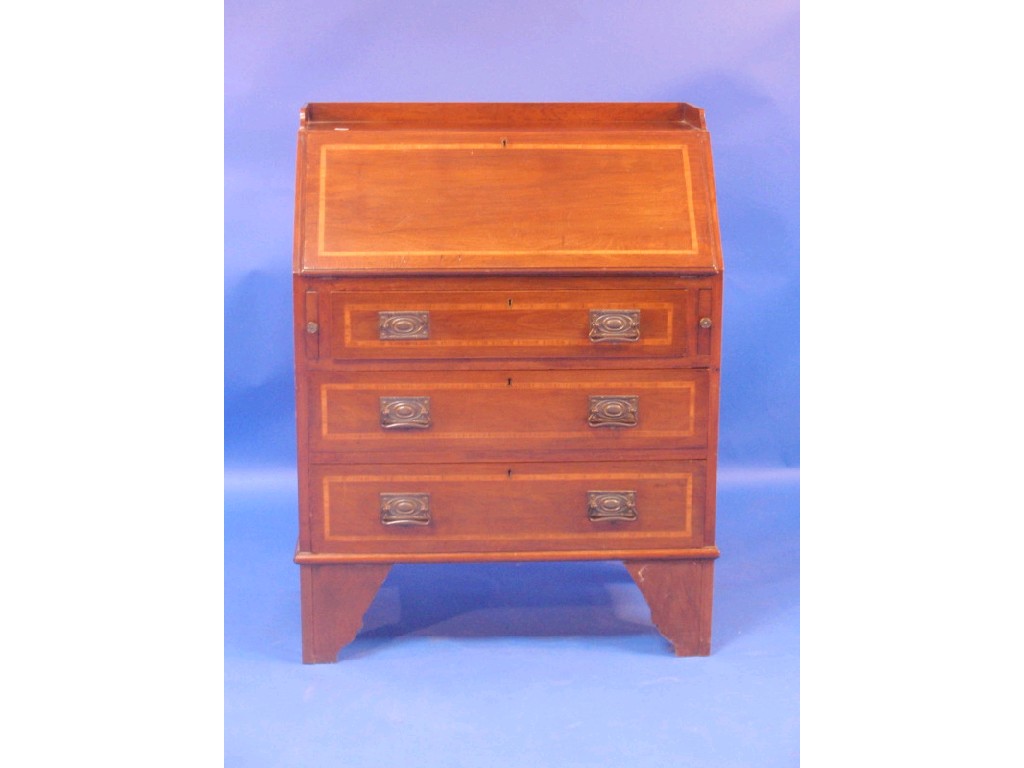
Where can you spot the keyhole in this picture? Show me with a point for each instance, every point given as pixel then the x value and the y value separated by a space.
pixel 510 382
pixel 504 143
pixel 510 473
pixel 510 302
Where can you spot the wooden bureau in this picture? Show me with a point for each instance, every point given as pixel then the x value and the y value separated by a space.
pixel 507 345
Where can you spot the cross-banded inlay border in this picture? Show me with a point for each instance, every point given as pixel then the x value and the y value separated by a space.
pixel 513 147
pixel 410 481
pixel 690 387
pixel 584 341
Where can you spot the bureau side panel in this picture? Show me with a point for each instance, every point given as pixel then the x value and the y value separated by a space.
pixel 714 395
pixel 305 309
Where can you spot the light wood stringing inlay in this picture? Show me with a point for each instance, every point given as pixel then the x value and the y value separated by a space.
pixel 602 477
pixel 583 341
pixel 688 431
pixel 322 212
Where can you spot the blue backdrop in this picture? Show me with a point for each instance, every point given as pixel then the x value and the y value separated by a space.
pixel 738 61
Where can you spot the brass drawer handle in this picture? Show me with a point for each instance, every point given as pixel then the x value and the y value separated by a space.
pixel 606 506
pixel 614 410
pixel 405 412
pixel 614 325
pixel 405 509
pixel 404 325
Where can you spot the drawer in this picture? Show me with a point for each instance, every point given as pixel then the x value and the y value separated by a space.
pixel 593 324
pixel 590 411
pixel 614 506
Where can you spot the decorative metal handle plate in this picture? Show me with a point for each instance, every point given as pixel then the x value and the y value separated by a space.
pixel 405 509
pixel 614 325
pixel 614 410
pixel 404 325
pixel 405 412
pixel 605 506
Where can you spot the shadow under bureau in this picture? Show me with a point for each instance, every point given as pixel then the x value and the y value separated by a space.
pixel 507 345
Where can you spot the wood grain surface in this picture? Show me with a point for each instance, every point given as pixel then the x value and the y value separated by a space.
pixel 507 326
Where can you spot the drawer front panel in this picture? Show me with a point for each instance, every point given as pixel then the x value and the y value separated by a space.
pixel 595 324
pixel 493 507
pixel 435 411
